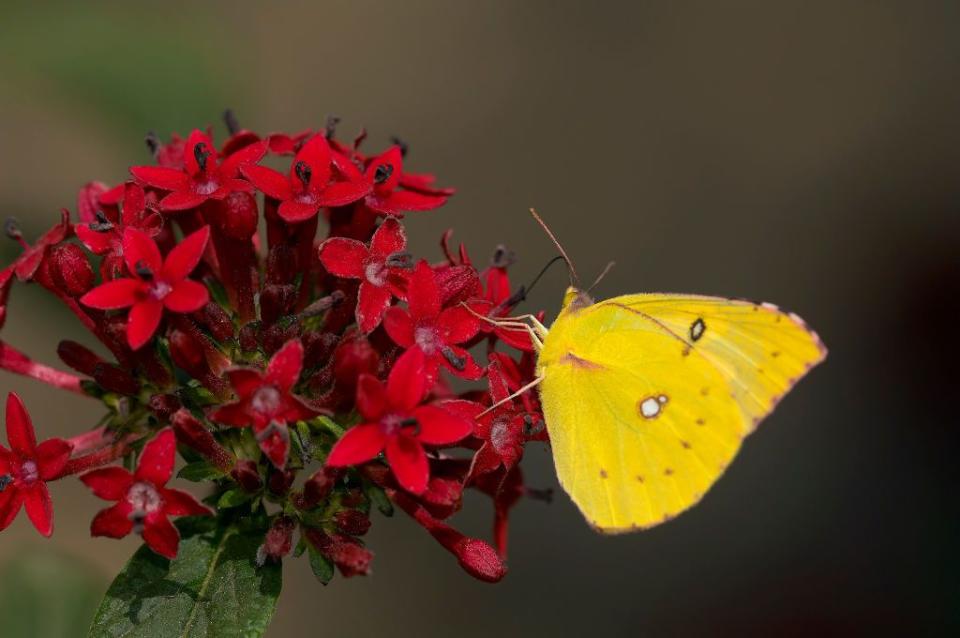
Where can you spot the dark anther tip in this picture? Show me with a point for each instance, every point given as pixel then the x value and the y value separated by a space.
pixel 404 147
pixel 12 228
pixel 384 171
pixel 330 128
pixel 153 143
pixel 230 119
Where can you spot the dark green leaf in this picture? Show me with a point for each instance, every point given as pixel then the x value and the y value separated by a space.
pixel 321 565
pixel 233 498
pixel 212 590
pixel 379 498
pixel 200 471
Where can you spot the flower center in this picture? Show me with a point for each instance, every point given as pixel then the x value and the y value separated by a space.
pixel 144 499
pixel 29 472
pixel 266 400
pixel 393 423
pixel 160 289
pixel 206 187
pixel 376 273
pixel 427 338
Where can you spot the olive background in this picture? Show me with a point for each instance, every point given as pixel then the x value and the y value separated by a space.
pixel 804 153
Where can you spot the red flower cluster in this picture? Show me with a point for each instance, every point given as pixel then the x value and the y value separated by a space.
pixel 270 357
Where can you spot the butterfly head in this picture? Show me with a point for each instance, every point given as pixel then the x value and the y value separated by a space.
pixel 575 299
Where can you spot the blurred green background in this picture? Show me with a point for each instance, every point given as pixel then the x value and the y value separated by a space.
pixel 806 153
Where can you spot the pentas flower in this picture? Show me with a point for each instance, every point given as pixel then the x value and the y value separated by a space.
pixel 308 186
pixel 434 331
pixel 204 176
pixel 394 420
pixel 379 267
pixel 502 429
pixel 265 402
pixel 144 503
pixel 388 196
pixel 104 235
pixel 157 283
pixel 25 469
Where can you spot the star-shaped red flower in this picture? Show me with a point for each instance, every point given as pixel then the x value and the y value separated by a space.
pixel 390 194
pixel 25 469
pixel 104 235
pixel 144 503
pixel 379 269
pixel 157 283
pixel 205 175
pixel 503 429
pixel 394 420
pixel 265 402
pixel 308 186
pixel 433 330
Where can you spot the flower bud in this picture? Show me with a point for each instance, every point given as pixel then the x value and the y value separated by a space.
pixel 248 337
pixel 164 405
pixel 280 481
pixel 71 270
pixel 78 357
pixel 318 487
pixel 215 319
pixel 246 474
pixel 193 434
pixel 115 379
pixel 275 302
pixel 188 354
pixel 457 283
pixel 278 541
pixel 352 522
pixel 352 558
pixel 238 216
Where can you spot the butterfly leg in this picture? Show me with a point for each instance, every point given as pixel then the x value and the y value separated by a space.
pixel 513 396
pixel 537 332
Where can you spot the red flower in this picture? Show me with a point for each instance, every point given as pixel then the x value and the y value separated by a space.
pixel 377 267
pixel 204 176
pixel 385 173
pixel 157 283
pixel 434 331
pixel 503 429
pixel 308 188
pixel 144 503
pixel 104 236
pixel 393 420
pixel 25 469
pixel 265 403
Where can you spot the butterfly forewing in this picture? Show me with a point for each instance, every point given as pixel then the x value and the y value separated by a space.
pixel 647 397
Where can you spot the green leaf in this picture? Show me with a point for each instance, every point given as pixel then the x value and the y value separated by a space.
pixel 379 498
pixel 233 498
pixel 321 565
pixel 200 471
pixel 331 425
pixel 213 589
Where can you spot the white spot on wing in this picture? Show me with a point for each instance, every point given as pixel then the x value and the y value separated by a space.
pixel 652 406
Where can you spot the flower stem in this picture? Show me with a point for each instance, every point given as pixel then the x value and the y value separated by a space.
pixel 15 361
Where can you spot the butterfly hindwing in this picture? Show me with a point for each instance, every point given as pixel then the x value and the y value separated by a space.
pixel 648 397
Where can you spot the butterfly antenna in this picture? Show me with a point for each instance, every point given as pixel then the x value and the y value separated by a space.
pixel 523 291
pixel 603 274
pixel 574 279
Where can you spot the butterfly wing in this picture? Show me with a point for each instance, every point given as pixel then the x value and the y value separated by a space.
pixel 648 397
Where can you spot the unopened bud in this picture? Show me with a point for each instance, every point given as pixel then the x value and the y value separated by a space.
pixel 71 270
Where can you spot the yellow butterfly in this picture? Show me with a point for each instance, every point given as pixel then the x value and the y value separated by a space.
pixel 647 397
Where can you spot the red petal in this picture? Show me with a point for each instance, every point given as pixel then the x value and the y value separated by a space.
pixel 36 501
pixel 372 302
pixel 139 247
pixel 316 153
pixel 295 212
pixel 294 409
pixel 458 324
pixel 408 461
pixel 108 483
pixel 358 445
pixel 343 257
pixel 97 242
pixel 392 157
pixel 470 368
pixel 400 201
pixel 182 200
pixel 423 297
pixel 187 296
pixel 180 503
pixel 142 322
pixel 407 382
pixel 236 162
pixel 399 325
pixel 157 458
pixel 371 397
pixel 52 457
pixel 134 201
pixel 343 193
pixel 439 427
pixel 388 239
pixel 20 433
pixel 161 536
pixel 346 167
pixel 190 154
pixel 245 381
pixel 113 522
pixel 235 414
pixel 272 183
pixel 167 179
pixel 10 501
pixel 275 443
pixel 185 256
pixel 119 293
pixel 284 367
